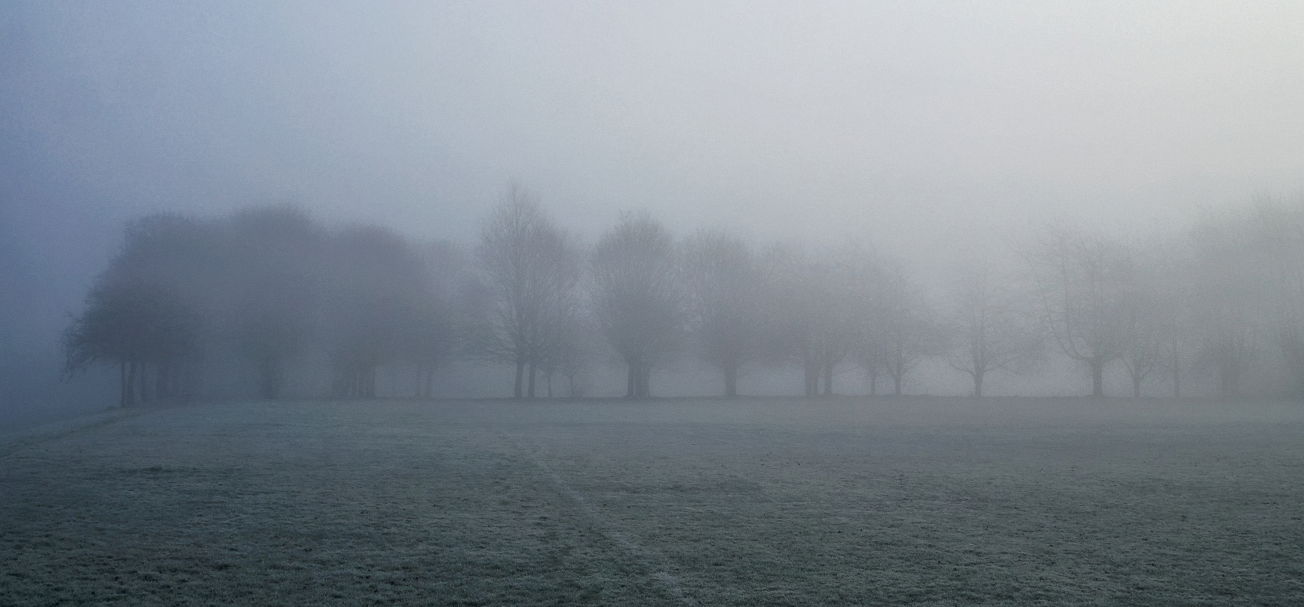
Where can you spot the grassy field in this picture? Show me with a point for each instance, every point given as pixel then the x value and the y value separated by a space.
pixel 911 501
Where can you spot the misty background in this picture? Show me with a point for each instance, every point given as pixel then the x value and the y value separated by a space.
pixel 927 129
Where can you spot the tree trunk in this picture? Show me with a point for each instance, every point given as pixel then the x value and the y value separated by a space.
pixel 828 379
pixel 731 380
pixel 131 384
pixel 122 384
pixel 896 383
pixel 1176 362
pixel 978 385
pixel 873 384
pixel 645 381
pixel 1229 380
pixel 631 384
pixel 518 390
pixel 1136 386
pixel 162 381
pixel 812 374
pixel 269 378
pixel 1097 377
pixel 530 373
pixel 143 381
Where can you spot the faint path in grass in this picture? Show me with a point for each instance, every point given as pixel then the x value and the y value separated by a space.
pixel 14 442
pixel 645 557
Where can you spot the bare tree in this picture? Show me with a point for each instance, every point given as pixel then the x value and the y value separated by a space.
pixel 872 355
pixel 567 355
pixel 864 289
pixel 636 296
pixel 531 269
pixel 1154 303
pixel 1278 243
pixel 1144 345
pixel 907 330
pixel 1228 307
pixel 1172 289
pixel 794 312
pixel 723 289
pixel 1229 348
pixel 816 305
pixel 1080 280
pixel 788 320
pixel 992 332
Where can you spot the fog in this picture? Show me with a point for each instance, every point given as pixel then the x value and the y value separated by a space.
pixel 925 131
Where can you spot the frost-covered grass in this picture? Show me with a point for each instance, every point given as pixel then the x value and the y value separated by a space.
pixel 931 502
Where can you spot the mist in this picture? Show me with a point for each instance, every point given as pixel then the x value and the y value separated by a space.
pixel 651 303
pixel 925 131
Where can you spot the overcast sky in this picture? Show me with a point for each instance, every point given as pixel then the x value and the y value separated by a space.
pixel 916 124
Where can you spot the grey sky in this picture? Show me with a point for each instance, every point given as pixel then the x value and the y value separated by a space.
pixel 916 124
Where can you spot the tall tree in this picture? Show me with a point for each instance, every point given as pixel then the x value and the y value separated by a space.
pixel 992 332
pixel 816 308
pixel 723 289
pixel 135 325
pixel 1146 314
pixel 1229 303
pixel 636 296
pixel 1278 244
pixel 531 269
pixel 1080 280
pixel 382 307
pixel 144 312
pixel 908 330
pixel 432 338
pixel 275 281
pixel 1172 289
pixel 567 355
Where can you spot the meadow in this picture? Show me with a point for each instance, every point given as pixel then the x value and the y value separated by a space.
pixel 920 501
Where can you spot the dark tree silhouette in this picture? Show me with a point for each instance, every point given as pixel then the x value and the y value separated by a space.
pixel 723 285
pixel 432 339
pixel 134 325
pixel 274 288
pixel 382 307
pixel 143 313
pixel 794 310
pixel 268 301
pixel 636 296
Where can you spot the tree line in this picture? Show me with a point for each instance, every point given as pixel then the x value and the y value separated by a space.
pixel 253 301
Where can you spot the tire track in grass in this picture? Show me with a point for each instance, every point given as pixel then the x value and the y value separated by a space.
pixel 645 557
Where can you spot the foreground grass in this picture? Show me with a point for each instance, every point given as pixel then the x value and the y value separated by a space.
pixel 929 502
